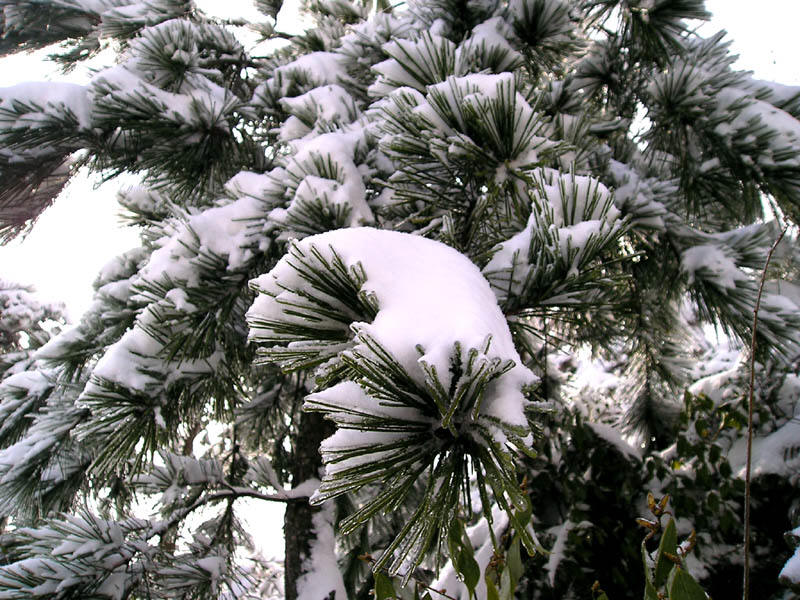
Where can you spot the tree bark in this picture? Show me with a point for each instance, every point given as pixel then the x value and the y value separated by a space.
pixel 297 524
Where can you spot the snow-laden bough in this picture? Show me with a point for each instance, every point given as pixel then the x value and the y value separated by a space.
pixel 416 366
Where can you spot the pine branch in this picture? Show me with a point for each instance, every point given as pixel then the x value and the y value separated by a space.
pixel 27 191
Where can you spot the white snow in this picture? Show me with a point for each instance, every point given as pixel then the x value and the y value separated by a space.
pixel 775 92
pixel 717 386
pixel 46 432
pixel 428 294
pixel 557 551
pixel 122 361
pixel 51 97
pixel 134 361
pixel 354 403
pixel 247 183
pixel 791 570
pixel 709 263
pixel 777 453
pixel 213 565
pixel 414 64
pixel 200 104
pixel 321 574
pixel 337 149
pixel 322 105
pixel 634 195
pixel 35 383
pixel 513 254
pixel 785 129
pixel 615 439
pixel 223 230
pixel 490 37
pixel 570 209
pixel 570 197
pixel 474 88
pixel 315 69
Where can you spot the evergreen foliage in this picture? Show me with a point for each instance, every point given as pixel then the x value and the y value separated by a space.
pixel 440 277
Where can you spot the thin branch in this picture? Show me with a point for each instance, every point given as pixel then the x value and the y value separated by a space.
pixel 241 492
pixel 442 593
pixel 233 493
pixel 750 402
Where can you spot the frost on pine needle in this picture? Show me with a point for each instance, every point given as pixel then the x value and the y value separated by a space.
pixel 316 111
pixel 39 104
pixel 79 556
pixel 415 64
pixel 718 268
pixel 165 351
pixel 419 387
pixel 22 394
pixel 36 470
pixel 324 184
pixel 41 124
pixel 572 222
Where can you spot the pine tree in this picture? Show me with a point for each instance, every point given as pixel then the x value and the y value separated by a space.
pixel 433 276
pixel 26 324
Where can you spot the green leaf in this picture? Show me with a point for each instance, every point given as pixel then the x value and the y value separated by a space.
pixel 713 502
pixel 684 587
pixel 668 544
pixel 650 592
pixel 491 589
pixel 506 586
pixel 469 570
pixel 455 536
pixel 648 575
pixel 525 513
pixel 384 588
pixel 514 561
pixel 714 453
pixel 462 555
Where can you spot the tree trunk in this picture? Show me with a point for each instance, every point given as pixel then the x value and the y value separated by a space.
pixel 297 524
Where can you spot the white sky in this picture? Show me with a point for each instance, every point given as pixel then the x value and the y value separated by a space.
pixel 764 35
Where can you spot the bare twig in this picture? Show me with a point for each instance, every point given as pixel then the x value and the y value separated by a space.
pixel 127 552
pixel 434 590
pixel 750 402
